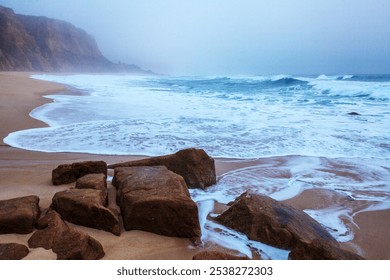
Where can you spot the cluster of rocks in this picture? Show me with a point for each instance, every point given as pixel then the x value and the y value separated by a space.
pixel 152 195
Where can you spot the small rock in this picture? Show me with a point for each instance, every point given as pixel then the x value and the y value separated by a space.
pixel 92 181
pixel 13 251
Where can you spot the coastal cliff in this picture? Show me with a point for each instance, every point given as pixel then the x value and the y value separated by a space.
pixel 32 43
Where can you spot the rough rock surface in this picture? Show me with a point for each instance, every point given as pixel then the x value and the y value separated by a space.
pixel 321 250
pixel 69 173
pixel 157 200
pixel 86 207
pixel 13 251
pixel 19 215
pixel 92 181
pixel 194 165
pixel 269 221
pixel 31 43
pixel 215 255
pixel 67 243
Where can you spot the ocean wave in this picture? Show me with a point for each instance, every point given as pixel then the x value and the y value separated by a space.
pixel 335 77
pixel 227 84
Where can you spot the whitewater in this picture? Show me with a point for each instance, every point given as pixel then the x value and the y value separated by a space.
pixel 316 132
pixel 241 117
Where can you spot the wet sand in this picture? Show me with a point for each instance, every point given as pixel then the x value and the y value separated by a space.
pixel 25 173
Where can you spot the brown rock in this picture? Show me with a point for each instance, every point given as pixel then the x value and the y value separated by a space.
pixel 67 243
pixel 13 251
pixel 194 165
pixel 86 207
pixel 19 215
pixel 157 200
pixel 69 173
pixel 266 220
pixel 321 250
pixel 215 255
pixel 92 181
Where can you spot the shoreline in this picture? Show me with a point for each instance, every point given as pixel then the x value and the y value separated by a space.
pixel 24 172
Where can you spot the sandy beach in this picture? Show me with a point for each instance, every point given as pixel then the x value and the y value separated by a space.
pixel 29 173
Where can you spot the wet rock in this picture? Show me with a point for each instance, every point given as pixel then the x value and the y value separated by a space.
pixel 321 250
pixel 69 173
pixel 194 165
pixel 272 222
pixel 353 114
pixel 86 207
pixel 157 200
pixel 67 243
pixel 19 215
pixel 13 251
pixel 215 255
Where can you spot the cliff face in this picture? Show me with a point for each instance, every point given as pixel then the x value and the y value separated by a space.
pixel 30 43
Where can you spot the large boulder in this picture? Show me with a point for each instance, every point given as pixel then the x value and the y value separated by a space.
pixel 13 251
pixel 272 222
pixel 86 207
pixel 19 215
pixel 69 173
pixel 194 165
pixel 69 244
pixel 157 200
pixel 321 250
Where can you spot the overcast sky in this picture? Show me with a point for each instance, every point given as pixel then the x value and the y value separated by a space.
pixel 216 37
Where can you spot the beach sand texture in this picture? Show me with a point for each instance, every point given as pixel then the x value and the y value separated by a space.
pixel 29 173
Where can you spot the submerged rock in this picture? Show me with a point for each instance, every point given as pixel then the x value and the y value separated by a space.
pixel 157 200
pixel 19 215
pixel 321 250
pixel 194 165
pixel 272 222
pixel 69 173
pixel 67 243
pixel 13 251
pixel 86 207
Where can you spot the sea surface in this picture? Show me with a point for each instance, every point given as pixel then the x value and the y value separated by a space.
pixel 327 132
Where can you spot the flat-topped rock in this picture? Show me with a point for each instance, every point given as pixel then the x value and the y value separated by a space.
pixel 13 251
pixel 86 207
pixel 321 250
pixel 69 244
pixel 69 173
pixel 157 200
pixel 272 222
pixel 19 215
pixel 194 165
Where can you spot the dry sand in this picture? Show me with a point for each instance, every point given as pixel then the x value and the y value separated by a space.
pixel 24 173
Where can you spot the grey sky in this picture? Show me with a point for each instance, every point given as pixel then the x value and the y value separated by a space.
pixel 219 37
